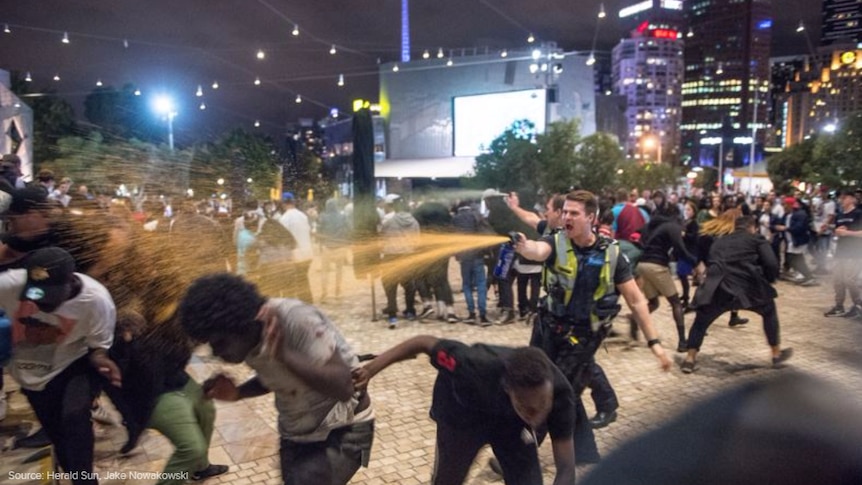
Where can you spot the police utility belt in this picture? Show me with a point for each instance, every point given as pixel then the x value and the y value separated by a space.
pixel 561 322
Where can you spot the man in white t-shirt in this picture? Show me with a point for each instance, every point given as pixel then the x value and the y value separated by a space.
pixel 297 223
pixel 62 326
pixel 326 428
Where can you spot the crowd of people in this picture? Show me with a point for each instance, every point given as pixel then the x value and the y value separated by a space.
pixel 113 296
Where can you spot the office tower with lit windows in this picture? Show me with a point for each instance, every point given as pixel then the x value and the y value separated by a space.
pixel 842 22
pixel 648 73
pixel 725 94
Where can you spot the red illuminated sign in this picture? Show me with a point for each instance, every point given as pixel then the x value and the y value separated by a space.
pixel 664 34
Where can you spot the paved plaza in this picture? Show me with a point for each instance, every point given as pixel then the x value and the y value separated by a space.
pixel 403 453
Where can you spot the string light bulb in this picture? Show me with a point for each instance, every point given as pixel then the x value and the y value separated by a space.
pixel 531 39
pixel 28 77
pixel 215 84
pixel 295 31
pixel 56 77
pixel 505 53
pixel 449 62
pixel 395 68
pixel 440 53
pixel 257 81
pixel 332 50
pixel 341 80
pixel 65 39
pixel 261 54
pixel 203 106
pixel 7 29
pixel 200 91
pixel 298 98
pixel 125 43
pixel 799 28
pixel 137 92
pixel 98 82
pixel 591 60
pixel 690 33
pixel 256 123
pixel 426 54
pixel 602 13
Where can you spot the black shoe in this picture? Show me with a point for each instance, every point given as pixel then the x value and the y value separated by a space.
pixel 853 312
pixel 38 439
pixel 836 311
pixel 507 317
pixel 782 357
pixel 602 419
pixel 735 322
pixel 210 471
pixel 682 346
pixel 688 367
pixel 484 322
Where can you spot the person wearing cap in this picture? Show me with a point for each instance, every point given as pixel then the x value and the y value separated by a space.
pixel 62 327
pixel 326 427
pixel 484 394
pixel 797 225
pixel 848 253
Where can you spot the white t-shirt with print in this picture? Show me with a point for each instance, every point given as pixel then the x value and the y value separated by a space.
pixel 89 319
pixel 304 414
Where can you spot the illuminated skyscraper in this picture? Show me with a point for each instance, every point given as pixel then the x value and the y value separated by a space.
pixel 842 22
pixel 726 75
pixel 648 72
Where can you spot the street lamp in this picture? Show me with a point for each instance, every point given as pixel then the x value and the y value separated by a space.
pixel 653 141
pixel 164 105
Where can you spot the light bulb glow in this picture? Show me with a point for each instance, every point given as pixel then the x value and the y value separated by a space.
pixel 56 77
pixel 257 81
pixel 203 106
pixel 137 92
pixel 261 54
pixel 28 78
pixel 591 60
pixel 602 13
pixel 256 125
pixel 800 27
pixel 295 31
pixel 298 98
pixel 7 29
pixel 449 62
pixel 426 54
pixel 125 43
pixel 341 79
pixel 505 53
pixel 531 39
pixel 440 53
pixel 199 92
pixel 99 82
pixel 395 68
pixel 332 50
pixel 215 84
pixel 65 39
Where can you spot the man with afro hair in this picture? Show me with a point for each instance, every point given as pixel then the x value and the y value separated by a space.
pixel 326 428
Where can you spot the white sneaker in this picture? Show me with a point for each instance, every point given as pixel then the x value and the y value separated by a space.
pixel 3 405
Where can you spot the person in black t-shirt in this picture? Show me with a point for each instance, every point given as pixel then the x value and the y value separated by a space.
pixel 848 252
pixel 508 398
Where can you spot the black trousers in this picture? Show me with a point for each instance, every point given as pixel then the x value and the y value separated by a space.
pixel 63 409
pixel 576 361
pixel 601 391
pixel 330 462
pixel 433 283
pixel 527 304
pixel 457 447
pixel 722 303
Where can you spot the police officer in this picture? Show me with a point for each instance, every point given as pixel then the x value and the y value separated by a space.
pixel 584 275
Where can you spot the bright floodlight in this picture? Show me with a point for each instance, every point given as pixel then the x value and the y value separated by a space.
pixel 830 128
pixel 163 105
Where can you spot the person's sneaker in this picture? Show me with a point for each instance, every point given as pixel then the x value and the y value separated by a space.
pixel 735 321
pixel 393 323
pixel 409 316
pixel 809 282
pixel 853 312
pixel 426 312
pixel 452 318
pixel 210 471
pixel 507 317
pixel 688 367
pixel 836 311
pixel 4 407
pixel 484 322
pixel 471 318
pixel 782 357
pixel 103 416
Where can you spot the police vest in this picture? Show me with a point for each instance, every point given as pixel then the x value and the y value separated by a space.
pixel 561 277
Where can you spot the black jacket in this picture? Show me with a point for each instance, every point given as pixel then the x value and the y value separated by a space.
pixel 663 234
pixel 742 266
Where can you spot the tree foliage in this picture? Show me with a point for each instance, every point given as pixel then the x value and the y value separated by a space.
pixel 647 175
pixel 235 158
pixel 793 164
pixel 120 113
pixel 512 161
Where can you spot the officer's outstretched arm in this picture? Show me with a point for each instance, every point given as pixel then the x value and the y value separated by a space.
pixel 638 305
pixel 532 250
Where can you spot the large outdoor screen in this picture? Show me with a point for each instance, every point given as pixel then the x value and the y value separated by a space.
pixel 481 118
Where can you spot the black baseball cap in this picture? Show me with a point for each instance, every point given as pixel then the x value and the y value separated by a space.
pixel 27 199
pixel 49 277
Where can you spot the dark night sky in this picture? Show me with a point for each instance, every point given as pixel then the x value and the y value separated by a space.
pixel 175 45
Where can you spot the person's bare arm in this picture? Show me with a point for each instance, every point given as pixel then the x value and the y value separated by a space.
pixel 530 218
pixel 408 349
pixel 638 305
pixel 564 460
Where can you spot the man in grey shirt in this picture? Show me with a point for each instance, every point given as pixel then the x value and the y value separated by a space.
pixel 326 428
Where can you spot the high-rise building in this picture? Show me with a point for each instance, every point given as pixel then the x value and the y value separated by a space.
pixel 648 73
pixel 726 89
pixel 841 22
